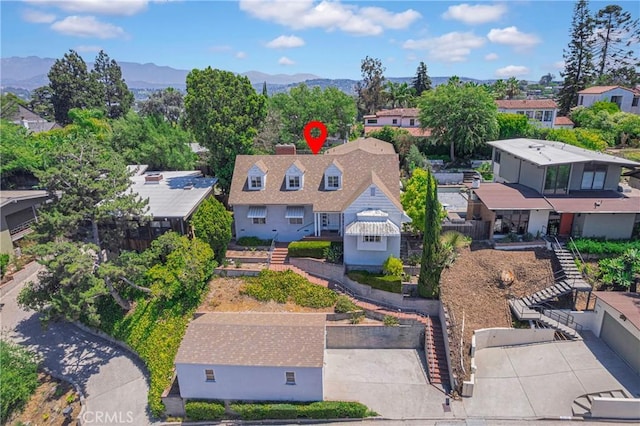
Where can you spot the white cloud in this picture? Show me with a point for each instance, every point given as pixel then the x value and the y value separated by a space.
pixel 285 61
pixel 285 42
pixel 98 7
pixel 330 15
pixel 38 17
pixel 450 47
pixel 491 57
pixel 240 55
pixel 477 14
pixel 512 37
pixel 87 26
pixel 84 48
pixel 512 71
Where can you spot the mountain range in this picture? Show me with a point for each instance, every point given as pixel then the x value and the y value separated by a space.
pixel 23 74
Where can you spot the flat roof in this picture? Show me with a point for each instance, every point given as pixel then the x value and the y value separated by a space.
pixel 626 303
pixel 545 153
pixel 7 197
pixel 510 196
pixel 177 194
pixel 594 202
pixel 254 339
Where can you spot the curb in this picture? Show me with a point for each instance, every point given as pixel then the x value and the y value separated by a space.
pixel 75 385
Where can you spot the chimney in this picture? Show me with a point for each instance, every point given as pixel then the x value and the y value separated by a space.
pixel 286 149
pixel 152 178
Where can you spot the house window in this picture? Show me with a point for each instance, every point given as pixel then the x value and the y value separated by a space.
pixel 617 100
pixel 634 102
pixel 412 122
pixel 520 112
pixel 372 121
pixel 529 114
pixel 511 221
pixel 255 182
pixel 333 182
pixel 372 191
pixel 581 100
pixel 290 377
pixel 557 179
pixel 395 121
pixel 371 238
pixel 210 377
pixel 538 115
pixel 593 176
pixel 295 221
pixel 496 156
pixel 259 220
pixel 548 115
pixel 293 182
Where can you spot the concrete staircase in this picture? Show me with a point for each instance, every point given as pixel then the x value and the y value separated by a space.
pixel 279 254
pixel 437 366
pixel 582 405
pixel 524 313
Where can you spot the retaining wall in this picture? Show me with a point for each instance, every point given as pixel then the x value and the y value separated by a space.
pixel 616 408
pixel 345 336
pixel 322 269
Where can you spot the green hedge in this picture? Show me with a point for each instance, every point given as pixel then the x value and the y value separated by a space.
pixel 314 410
pixel 606 248
pixel 4 262
pixel 18 378
pixel 204 410
pixel 252 242
pixel 287 286
pixel 390 283
pixel 315 249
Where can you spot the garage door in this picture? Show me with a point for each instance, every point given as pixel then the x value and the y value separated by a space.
pixel 621 341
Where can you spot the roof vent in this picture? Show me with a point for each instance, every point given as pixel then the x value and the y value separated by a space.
pixel 537 146
pixel 188 187
pixel 153 178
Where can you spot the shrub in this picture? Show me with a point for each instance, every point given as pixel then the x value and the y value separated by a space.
pixel 601 247
pixel 287 286
pixel 252 242
pixel 4 262
pixel 19 378
pixel 528 237
pixel 204 410
pixel 392 266
pixel 334 252
pixel 390 321
pixel 313 249
pixel 620 271
pixel 344 305
pixel 313 410
pixel 356 318
pixel 390 283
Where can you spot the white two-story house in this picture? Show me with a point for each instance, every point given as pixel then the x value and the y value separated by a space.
pixel 404 118
pixel 540 112
pixel 553 188
pixel 352 191
pixel 627 99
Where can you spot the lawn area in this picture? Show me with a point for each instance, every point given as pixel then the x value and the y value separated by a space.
pixel 390 283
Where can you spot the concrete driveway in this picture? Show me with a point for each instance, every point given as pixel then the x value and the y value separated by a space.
pixel 542 380
pixel 114 383
pixel 391 382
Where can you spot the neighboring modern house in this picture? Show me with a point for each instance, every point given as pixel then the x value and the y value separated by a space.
pixel 252 356
pixel 173 198
pixel 404 118
pixel 32 121
pixel 18 211
pixel 618 324
pixel 541 112
pixel 626 99
pixel 351 192
pixel 556 189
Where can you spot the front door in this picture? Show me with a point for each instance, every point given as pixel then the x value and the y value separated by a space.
pixel 325 221
pixel 566 222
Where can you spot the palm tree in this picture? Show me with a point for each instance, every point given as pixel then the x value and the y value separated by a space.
pixel 499 89
pixel 512 88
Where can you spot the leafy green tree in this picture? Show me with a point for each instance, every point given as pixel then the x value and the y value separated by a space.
pixel 116 99
pixel 224 113
pixel 617 36
pixel 513 88
pixel 167 104
pixel 22 153
pixel 499 89
pixel 72 86
pixel 9 105
pixel 431 262
pixel 578 59
pixel 19 378
pixel 546 79
pixel 422 81
pixel 41 103
pixel 415 159
pixel 152 140
pixel 398 94
pixel 414 196
pixel 370 88
pixel 462 117
pixel 212 224
pixel 514 126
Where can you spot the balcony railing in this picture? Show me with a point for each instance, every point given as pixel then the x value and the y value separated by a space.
pixel 22 229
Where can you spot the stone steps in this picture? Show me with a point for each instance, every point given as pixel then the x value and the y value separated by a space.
pixel 437 367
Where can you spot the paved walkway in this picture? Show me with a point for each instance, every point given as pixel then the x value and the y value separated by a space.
pixel 113 382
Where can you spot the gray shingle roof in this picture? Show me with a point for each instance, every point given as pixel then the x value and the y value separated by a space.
pixel 364 161
pixel 254 339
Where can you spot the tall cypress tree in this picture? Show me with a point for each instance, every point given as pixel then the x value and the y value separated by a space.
pixel 421 81
pixel 431 264
pixel 578 59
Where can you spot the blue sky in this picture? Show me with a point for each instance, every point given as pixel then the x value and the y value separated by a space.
pixel 482 40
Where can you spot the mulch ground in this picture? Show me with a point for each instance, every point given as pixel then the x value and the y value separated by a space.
pixel 472 291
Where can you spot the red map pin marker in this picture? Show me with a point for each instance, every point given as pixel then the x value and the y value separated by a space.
pixel 315 143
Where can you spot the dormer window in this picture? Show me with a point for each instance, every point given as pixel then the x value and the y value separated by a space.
pixel 257 176
pixel 333 177
pixel 294 177
pixel 255 182
pixel 293 182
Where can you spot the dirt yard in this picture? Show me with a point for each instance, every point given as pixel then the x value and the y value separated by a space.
pixel 473 292
pixel 224 296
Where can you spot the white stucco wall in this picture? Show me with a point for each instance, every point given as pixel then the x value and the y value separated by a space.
pixel 276 222
pixel 509 168
pixel 532 175
pixel 613 226
pixel 590 99
pixel 250 383
pixel 538 220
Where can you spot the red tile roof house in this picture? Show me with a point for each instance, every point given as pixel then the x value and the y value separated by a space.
pixel 541 112
pixel 553 188
pixel 404 118
pixel 627 99
pixel 350 192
